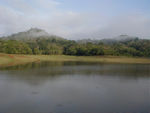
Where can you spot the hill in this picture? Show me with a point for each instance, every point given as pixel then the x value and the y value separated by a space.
pixel 110 41
pixel 119 39
pixel 31 34
pixel 37 41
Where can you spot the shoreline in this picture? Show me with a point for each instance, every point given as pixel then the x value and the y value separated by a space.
pixel 16 59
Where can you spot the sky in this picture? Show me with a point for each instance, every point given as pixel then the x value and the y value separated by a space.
pixel 77 19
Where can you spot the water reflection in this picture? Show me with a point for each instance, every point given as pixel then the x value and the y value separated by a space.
pixel 62 68
pixel 70 87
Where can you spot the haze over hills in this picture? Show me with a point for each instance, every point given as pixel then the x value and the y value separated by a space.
pixel 35 33
pixel 31 34
pixel 37 41
pixel 118 39
pixel 121 38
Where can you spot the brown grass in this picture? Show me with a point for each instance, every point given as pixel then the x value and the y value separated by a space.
pixel 11 59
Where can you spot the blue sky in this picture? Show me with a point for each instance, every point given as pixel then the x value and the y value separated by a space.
pixel 108 6
pixel 77 18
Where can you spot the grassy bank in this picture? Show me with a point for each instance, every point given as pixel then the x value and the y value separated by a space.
pixel 11 59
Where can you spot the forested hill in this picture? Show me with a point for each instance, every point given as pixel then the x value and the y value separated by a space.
pixel 37 41
pixel 31 34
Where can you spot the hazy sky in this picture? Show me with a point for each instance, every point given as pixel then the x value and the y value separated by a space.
pixel 77 18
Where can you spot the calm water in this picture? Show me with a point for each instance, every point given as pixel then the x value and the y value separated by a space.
pixel 75 87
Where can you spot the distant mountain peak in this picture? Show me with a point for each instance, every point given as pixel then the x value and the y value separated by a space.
pixel 125 38
pixel 36 32
pixel 124 35
pixel 31 34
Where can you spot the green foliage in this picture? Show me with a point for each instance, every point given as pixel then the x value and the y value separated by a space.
pixel 57 46
pixel 88 49
pixel 36 51
pixel 14 47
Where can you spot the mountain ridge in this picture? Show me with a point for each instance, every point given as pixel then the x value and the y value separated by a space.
pixel 31 34
pixel 35 33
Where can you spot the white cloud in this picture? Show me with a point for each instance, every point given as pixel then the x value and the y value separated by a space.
pixel 20 15
pixel 63 23
pixel 31 7
pixel 132 24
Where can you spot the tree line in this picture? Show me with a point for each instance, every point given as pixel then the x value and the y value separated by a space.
pixel 135 47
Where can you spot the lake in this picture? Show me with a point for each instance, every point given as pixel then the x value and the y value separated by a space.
pixel 75 87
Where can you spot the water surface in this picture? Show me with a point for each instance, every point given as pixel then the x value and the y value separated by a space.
pixel 75 87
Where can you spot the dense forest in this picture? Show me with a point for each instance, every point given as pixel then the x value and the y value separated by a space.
pixel 53 45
